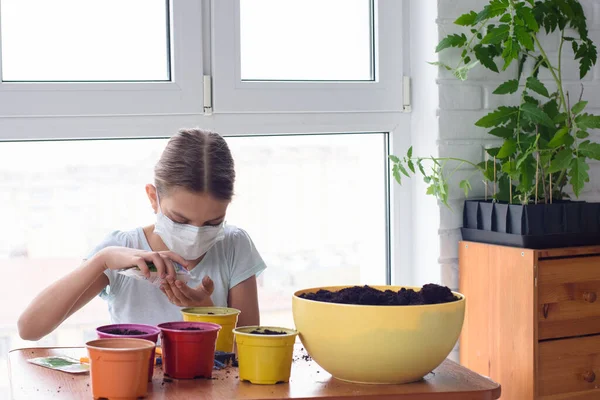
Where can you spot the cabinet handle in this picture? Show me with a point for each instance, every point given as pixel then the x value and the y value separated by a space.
pixel 589 376
pixel 590 297
pixel 545 310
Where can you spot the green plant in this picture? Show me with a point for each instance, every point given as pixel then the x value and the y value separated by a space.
pixel 545 145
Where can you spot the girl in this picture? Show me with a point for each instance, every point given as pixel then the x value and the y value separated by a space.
pixel 193 186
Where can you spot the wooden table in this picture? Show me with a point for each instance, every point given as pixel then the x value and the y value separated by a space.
pixel 449 381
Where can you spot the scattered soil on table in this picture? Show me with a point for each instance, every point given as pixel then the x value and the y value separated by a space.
pixel 190 328
pixel 366 295
pixel 128 332
pixel 267 332
pixel 304 356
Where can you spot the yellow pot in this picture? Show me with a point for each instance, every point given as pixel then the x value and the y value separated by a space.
pixel 265 359
pixel 377 344
pixel 224 316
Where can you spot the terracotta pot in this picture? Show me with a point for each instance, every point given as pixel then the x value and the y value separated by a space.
pixel 149 333
pixel 119 367
pixel 188 349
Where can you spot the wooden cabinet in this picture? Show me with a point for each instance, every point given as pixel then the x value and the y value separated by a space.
pixel 532 320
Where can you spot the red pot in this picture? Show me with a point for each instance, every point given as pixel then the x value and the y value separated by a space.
pixel 188 349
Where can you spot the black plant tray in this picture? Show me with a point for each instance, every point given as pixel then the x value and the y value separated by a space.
pixel 531 241
pixel 534 226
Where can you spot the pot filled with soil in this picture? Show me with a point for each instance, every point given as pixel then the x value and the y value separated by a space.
pixel 378 334
pixel 188 348
pixel 138 331
pixel 226 317
pixel 119 367
pixel 265 353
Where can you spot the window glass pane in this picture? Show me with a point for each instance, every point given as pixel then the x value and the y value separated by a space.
pixel 92 40
pixel 315 210
pixel 306 40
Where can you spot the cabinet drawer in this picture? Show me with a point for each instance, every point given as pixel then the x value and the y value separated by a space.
pixel 568 297
pixel 568 309
pixel 569 366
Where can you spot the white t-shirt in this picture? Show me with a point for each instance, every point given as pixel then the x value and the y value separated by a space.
pixel 228 263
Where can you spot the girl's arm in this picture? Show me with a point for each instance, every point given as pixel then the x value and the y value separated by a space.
pixel 61 299
pixel 244 297
pixel 65 296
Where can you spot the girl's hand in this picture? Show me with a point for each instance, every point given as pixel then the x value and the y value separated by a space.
pixel 182 295
pixel 116 258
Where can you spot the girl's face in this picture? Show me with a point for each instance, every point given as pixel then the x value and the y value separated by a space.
pixel 185 207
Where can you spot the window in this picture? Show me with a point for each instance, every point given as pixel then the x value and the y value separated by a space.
pixel 286 56
pixel 74 58
pixel 68 40
pixel 295 40
pixel 316 212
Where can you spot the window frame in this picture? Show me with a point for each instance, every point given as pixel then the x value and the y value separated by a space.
pixel 182 94
pixel 384 94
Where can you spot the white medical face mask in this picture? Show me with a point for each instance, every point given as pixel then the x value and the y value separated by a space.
pixel 189 241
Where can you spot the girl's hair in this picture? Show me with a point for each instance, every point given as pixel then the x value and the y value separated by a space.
pixel 196 160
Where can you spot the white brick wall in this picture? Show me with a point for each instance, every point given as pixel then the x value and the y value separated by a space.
pixel 462 103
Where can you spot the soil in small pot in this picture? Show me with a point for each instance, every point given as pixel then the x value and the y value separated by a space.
pixel 190 328
pixel 366 295
pixel 267 332
pixel 128 332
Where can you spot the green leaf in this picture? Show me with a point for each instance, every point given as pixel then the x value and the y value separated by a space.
pixel 561 161
pixel 559 138
pixel 551 108
pixel 454 40
pixel 411 166
pixel 496 35
pixel 579 175
pixel 493 151
pixel 466 19
pixel 420 165
pixel 508 149
pixel 537 86
pixel 497 117
pixel 524 38
pixel 587 121
pixel 582 135
pixel 440 64
pixel 536 115
pixel 507 87
pixel 590 150
pixel 527 15
pixel 394 158
pixel 466 186
pixel 578 107
pixel 403 170
pixel 396 174
pixel 485 57
pixel 461 72
pixel 502 132
pixel 409 152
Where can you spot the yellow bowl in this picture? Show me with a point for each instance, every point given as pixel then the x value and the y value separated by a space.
pixel 264 359
pixel 225 316
pixel 377 344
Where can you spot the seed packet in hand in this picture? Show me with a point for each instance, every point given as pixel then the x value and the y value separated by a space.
pixel 61 363
pixel 182 274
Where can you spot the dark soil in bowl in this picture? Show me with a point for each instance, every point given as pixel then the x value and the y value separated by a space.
pixel 366 295
pixel 128 332
pixel 267 332
pixel 190 328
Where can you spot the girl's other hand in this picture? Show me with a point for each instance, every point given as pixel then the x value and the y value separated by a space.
pixel 182 295
pixel 116 258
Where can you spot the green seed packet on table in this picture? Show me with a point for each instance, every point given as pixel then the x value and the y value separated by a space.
pixel 61 363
